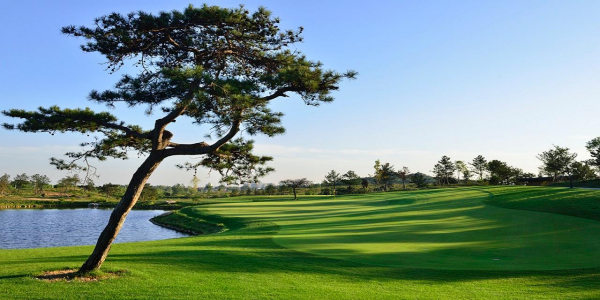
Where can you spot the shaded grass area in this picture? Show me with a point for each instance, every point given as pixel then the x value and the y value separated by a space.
pixel 579 203
pixel 440 229
pixel 583 184
pixel 246 263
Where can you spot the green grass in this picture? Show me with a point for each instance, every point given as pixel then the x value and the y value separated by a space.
pixel 580 203
pixel 437 229
pixel 420 245
pixel 585 184
pixel 190 221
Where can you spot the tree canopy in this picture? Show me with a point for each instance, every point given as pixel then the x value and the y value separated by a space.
pixel 214 67
pixel 296 183
pixel 593 148
pixel 479 165
pixel 384 174
pixel 332 178
pixel 556 162
pixel 217 66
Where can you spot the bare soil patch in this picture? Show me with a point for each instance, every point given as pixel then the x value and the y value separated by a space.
pixel 73 275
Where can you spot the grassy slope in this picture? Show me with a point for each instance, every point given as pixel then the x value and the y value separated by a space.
pixel 440 229
pixel 580 203
pixel 245 262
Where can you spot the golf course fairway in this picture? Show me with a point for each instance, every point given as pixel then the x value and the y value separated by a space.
pixel 458 243
pixel 437 229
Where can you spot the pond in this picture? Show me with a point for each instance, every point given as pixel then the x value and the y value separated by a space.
pixel 37 228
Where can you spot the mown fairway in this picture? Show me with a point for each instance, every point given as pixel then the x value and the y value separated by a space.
pixel 439 229
pixel 426 244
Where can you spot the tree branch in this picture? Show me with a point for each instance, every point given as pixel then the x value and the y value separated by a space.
pixel 202 147
pixel 280 93
pixel 128 131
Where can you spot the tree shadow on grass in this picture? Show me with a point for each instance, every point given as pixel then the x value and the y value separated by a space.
pixel 13 276
pixel 252 250
pixel 249 247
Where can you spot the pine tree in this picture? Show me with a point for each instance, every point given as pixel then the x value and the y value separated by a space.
pixel 217 67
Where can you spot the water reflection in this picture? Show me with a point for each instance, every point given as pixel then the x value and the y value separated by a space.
pixel 36 228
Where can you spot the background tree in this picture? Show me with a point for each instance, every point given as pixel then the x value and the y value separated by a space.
pixel 556 161
pixel 149 193
pixel 516 174
pixel 283 189
pixel 39 182
pixel 69 182
pixel 448 168
pixel 500 172
pixel 21 181
pixel 461 168
pixel 440 173
pixel 90 185
pixel 351 179
pixel 296 183
pixel 195 182
pixel 208 187
pixel 270 189
pixel 332 178
pixel 384 174
pixel 179 189
pixel 235 191
pixel 479 165
pixel 109 189
pixel 365 184
pixel 466 172
pixel 582 171
pixel 593 147
pixel 4 184
pixel 377 175
pixel 403 175
pixel 419 179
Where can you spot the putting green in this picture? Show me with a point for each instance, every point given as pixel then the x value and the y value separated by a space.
pixel 435 229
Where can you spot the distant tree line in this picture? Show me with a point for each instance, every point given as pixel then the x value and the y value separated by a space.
pixel 557 164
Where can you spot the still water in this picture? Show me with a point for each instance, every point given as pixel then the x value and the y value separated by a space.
pixel 36 228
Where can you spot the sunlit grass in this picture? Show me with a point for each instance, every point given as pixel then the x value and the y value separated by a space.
pixel 350 236
pixel 441 229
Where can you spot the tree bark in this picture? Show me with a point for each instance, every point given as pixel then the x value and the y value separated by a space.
pixel 570 181
pixel 294 193
pixel 117 218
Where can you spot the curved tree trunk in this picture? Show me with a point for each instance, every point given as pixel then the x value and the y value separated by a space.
pixel 117 218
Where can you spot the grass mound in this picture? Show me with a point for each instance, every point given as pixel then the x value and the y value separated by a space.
pixel 189 221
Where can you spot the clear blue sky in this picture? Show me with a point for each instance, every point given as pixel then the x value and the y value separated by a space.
pixel 504 79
